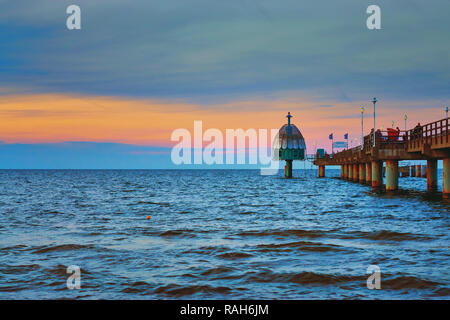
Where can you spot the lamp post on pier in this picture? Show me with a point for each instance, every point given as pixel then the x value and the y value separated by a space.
pixel 374 101
pixel 406 117
pixel 362 127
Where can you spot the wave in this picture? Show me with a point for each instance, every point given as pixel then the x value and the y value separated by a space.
pixel 51 212
pixel 303 278
pixel 300 245
pixel 19 269
pixel 165 204
pixel 374 235
pixel 177 290
pixel 63 247
pixel 16 247
pixel 286 233
pixel 178 233
pixel 441 292
pixel 234 255
pixel 60 271
pixel 384 235
pixel 218 270
pixel 14 288
pixel 137 287
pixel 206 250
pixel 188 275
pixel 408 282
pixel 313 278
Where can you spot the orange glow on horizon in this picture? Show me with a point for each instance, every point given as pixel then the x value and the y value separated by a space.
pixel 44 118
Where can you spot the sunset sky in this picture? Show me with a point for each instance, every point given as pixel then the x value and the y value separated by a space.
pixel 110 95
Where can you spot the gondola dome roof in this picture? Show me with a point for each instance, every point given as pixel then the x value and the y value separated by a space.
pixel 294 130
pixel 290 136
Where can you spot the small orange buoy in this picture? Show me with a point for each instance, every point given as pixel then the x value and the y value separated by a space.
pixel 148 217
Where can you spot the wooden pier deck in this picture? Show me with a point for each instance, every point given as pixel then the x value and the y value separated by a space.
pixel 430 142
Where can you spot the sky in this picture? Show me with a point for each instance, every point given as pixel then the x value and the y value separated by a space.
pixel 110 94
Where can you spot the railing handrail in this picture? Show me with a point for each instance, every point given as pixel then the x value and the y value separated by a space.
pixel 429 129
pixel 414 136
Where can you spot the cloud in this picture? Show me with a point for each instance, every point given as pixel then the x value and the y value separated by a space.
pixel 200 50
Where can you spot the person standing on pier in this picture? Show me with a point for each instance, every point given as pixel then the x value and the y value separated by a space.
pixel 398 133
pixel 418 131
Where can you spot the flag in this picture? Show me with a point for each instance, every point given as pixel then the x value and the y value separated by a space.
pixel 346 136
pixel 330 136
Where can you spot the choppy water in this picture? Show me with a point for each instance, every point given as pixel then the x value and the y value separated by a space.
pixel 218 234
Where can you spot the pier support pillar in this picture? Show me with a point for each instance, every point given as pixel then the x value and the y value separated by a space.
pixel 288 169
pixel 413 171
pixel 345 170
pixel 362 173
pixel 424 171
pixel 418 170
pixel 342 171
pixel 368 173
pixel 321 171
pixel 391 175
pixel 350 172
pixel 431 174
pixel 377 171
pixel 446 177
pixel 355 172
pixel 407 172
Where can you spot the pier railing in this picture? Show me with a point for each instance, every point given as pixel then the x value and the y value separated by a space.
pixel 435 134
pixel 385 139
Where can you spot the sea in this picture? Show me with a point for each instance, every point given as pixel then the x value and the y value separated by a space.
pixel 219 234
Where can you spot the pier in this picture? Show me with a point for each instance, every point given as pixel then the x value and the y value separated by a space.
pixel 364 164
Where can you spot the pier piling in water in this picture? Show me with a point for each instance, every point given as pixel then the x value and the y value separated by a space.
pixel 362 173
pixel 446 177
pixel 321 171
pixel 391 175
pixel 288 169
pixel 355 172
pixel 403 171
pixel 431 174
pixel 377 178
pixel 368 173
pixel 419 170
